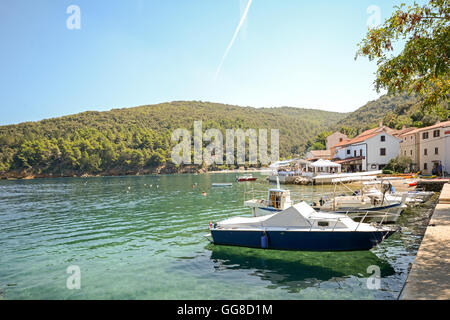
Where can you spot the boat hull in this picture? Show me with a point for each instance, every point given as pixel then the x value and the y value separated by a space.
pixel 301 240
pixel 246 179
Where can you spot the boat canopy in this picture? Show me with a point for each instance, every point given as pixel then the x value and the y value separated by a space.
pixel 293 216
pixel 356 175
pixel 286 162
pixel 300 215
pixel 325 164
pixel 360 178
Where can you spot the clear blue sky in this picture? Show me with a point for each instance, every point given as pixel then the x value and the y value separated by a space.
pixel 134 52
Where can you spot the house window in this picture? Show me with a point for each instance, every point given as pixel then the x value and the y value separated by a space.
pixel 405 152
pixel 382 151
pixel 436 133
pixel 436 150
pixel 348 151
pixel 425 167
pixel 360 152
pixel 340 139
pixel 425 152
pixel 354 153
pixel 425 135
pixel 410 152
pixel 383 138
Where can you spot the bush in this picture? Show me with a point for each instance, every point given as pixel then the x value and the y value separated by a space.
pixel 399 164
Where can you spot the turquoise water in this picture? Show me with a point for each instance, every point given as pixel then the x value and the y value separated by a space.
pixel 142 238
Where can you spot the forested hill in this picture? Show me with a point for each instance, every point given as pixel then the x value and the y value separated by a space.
pixel 395 112
pixel 132 140
pixel 373 112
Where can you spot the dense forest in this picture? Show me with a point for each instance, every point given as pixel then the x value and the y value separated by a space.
pixel 138 140
pixel 133 140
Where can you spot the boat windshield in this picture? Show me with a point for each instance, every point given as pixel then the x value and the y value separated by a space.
pixel 275 199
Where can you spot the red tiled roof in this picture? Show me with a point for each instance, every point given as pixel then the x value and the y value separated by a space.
pixel 367 134
pixel 437 125
pixel 404 131
pixel 320 154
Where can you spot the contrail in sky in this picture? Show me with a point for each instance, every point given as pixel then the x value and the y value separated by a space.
pixel 244 15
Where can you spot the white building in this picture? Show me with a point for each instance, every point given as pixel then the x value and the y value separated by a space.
pixel 371 150
pixel 434 147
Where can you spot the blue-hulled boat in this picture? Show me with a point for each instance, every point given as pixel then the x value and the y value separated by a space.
pixel 300 227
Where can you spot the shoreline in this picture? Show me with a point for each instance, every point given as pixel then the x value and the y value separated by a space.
pixel 14 176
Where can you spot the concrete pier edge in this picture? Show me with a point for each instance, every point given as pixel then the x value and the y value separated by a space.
pixel 429 278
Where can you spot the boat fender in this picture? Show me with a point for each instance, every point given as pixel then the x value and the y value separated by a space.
pixel 264 241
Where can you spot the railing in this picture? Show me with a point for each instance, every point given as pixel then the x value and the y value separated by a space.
pixel 367 214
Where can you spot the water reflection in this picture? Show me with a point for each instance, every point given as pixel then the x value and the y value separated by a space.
pixel 294 270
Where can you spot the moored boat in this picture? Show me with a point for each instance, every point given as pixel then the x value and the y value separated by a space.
pixel 354 206
pixel 222 184
pixel 300 227
pixel 246 177
pixel 277 200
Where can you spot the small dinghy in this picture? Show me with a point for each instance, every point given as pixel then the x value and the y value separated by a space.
pixel 300 227
pixel 246 177
pixel 222 184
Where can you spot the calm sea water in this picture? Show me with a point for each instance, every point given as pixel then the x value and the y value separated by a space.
pixel 142 238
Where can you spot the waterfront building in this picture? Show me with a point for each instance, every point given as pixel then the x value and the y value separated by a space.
pixel 434 147
pixel 371 150
pixel 409 147
pixel 335 138
pixel 314 155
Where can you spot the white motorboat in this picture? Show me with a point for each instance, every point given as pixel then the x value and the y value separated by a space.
pixel 300 227
pixel 355 205
pixel 277 200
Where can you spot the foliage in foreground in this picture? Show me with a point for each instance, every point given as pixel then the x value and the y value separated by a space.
pixel 422 67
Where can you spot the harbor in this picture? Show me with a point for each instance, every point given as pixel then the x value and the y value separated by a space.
pixel 144 240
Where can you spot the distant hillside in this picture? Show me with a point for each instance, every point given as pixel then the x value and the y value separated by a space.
pixel 131 140
pixel 394 111
pixel 373 112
